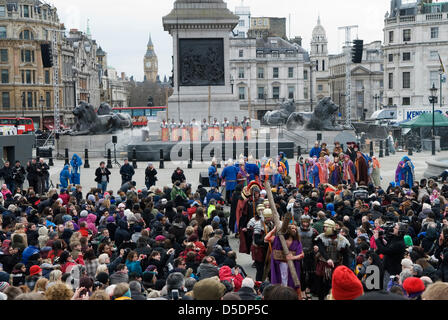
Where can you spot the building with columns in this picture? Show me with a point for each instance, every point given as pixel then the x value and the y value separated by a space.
pixel 319 59
pixel 268 71
pixel 415 34
pixel 366 82
pixel 151 65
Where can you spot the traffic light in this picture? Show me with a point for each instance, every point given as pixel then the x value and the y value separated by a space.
pixel 47 55
pixel 357 51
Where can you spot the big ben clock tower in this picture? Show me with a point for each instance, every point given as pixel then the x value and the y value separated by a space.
pixel 150 63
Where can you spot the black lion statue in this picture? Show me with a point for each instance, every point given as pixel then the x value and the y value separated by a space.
pixel 323 118
pixel 89 122
pixel 279 117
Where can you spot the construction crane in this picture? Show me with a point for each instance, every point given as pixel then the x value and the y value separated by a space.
pixel 348 73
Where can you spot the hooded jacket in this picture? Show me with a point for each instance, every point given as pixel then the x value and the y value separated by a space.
pixel 91 218
pixel 225 273
pixel 64 176
pixel 206 270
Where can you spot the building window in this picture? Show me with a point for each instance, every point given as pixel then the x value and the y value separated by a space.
pixel 6 103
pixel 290 72
pixel 381 84
pixel 406 80
pixel 391 102
pixel 27 56
pixel 275 73
pixel 317 65
pixel 28 76
pixel 406 56
pixel 434 78
pixel 433 55
pixel 47 77
pixel 48 99
pixel 26 35
pixel 260 73
pixel 391 36
pixel 323 65
pixel 391 80
pixel 242 23
pixel 275 92
pixel 242 93
pixel 406 101
pixel 30 99
pixel 305 74
pixel 260 54
pixel 26 11
pixel 2 32
pixel 241 73
pixel 44 14
pixel 5 76
pixel 407 35
pixel 3 55
pixel 2 12
pixel 391 57
pixel 434 33
pixel 305 93
pixel 261 93
pixel 275 54
pixel 241 53
pixel 320 87
pixel 290 92
pixel 241 34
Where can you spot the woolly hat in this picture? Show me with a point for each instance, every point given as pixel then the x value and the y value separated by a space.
pixel 160 238
pixel 3 286
pixel 84 214
pixel 91 197
pixel 216 219
pixel 159 216
pixel 34 270
pixel 320 206
pixel 110 219
pixel 413 286
pixel 426 206
pixel 346 286
pixel 248 282
pixel 209 289
pixel 66 218
pixel 121 205
pixel 407 264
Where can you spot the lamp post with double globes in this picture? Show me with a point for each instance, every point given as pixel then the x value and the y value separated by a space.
pixel 432 99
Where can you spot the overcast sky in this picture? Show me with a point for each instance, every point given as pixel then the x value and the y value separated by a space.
pixel 122 27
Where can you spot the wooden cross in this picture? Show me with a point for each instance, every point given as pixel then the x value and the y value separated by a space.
pixel 278 224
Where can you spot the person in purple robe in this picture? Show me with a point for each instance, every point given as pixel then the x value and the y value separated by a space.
pixel 280 273
pixel 398 175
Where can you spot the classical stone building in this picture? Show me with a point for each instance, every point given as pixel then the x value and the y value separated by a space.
pixel 267 71
pixel 262 27
pixel 366 82
pixel 415 34
pixel 151 65
pixel 26 87
pixel 319 59
pixel 242 28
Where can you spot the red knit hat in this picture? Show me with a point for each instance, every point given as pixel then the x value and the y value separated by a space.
pixel 346 286
pixel 413 286
pixel 35 270
pixel 319 206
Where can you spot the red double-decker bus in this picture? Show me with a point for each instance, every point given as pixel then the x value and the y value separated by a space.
pixel 140 115
pixel 23 125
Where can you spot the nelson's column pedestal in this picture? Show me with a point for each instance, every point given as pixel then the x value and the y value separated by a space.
pixel 200 31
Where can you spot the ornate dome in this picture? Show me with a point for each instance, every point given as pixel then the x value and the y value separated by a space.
pixel 319 31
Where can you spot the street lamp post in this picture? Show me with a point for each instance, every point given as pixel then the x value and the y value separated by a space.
pixel 432 99
pixel 41 102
